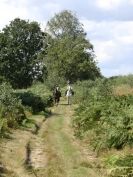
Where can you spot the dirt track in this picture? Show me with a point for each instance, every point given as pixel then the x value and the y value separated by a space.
pixel 53 152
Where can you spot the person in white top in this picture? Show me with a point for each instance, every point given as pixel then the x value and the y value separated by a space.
pixel 69 93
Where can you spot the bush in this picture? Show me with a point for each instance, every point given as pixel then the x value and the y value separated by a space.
pixel 122 80
pixel 53 80
pixel 105 119
pixel 11 111
pixel 36 103
pixel 37 98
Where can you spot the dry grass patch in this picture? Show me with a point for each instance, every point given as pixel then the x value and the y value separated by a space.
pixel 123 90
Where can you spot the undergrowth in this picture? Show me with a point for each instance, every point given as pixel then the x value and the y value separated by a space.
pixel 11 110
pixel 105 120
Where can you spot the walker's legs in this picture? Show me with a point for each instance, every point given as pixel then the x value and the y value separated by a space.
pixel 68 100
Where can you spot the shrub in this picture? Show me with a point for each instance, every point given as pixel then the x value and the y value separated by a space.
pixel 36 103
pixel 105 116
pixel 105 120
pixel 11 110
pixel 37 98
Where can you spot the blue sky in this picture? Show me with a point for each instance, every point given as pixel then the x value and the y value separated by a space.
pixel 108 23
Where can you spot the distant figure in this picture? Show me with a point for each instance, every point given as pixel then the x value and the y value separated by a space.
pixel 69 93
pixel 56 95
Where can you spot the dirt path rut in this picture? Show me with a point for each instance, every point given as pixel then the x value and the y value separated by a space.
pixel 53 152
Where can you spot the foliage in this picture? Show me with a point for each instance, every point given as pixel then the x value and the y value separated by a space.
pixel 122 80
pixel 53 79
pixel 11 111
pixel 70 55
pixel 123 85
pixel 120 166
pixel 84 89
pixel 36 103
pixel 2 79
pixel 37 98
pixel 21 44
pixel 65 23
pixel 104 118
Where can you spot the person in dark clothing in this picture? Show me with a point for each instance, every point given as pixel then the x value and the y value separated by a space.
pixel 56 95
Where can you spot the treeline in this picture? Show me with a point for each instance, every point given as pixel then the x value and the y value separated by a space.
pixel 61 52
pixel 29 54
pixel 104 119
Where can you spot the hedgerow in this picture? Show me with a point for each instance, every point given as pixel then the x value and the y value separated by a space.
pixel 36 98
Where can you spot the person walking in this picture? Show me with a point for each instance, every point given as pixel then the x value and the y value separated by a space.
pixel 69 93
pixel 56 95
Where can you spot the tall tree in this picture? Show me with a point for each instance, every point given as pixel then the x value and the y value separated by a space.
pixel 20 45
pixel 65 23
pixel 70 55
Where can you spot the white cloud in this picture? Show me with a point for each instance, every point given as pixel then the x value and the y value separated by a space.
pixel 105 50
pixel 108 4
pixel 131 2
pixel 27 9
pixel 125 40
pixel 113 44
pixel 9 11
pixel 52 7
pixel 121 70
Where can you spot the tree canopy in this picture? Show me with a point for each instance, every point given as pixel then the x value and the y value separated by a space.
pixel 65 23
pixel 69 55
pixel 61 53
pixel 20 45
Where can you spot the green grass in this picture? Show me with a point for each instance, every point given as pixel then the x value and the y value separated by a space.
pixel 65 158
